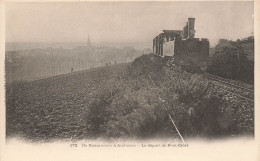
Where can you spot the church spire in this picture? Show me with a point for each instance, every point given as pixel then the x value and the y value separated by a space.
pixel 89 42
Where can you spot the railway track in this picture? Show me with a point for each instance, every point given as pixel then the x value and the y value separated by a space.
pixel 235 88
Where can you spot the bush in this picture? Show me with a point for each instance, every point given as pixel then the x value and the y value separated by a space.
pixel 147 66
pixel 230 60
pixel 136 107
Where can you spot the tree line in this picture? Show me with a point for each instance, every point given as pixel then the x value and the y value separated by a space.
pixel 234 59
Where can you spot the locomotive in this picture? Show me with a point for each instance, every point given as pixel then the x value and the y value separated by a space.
pixel 182 48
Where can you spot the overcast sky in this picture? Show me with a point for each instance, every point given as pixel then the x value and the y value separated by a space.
pixel 118 22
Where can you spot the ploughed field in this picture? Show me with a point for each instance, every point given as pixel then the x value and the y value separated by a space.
pixel 55 107
pixel 125 101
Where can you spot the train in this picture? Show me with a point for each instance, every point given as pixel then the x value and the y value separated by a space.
pixel 180 47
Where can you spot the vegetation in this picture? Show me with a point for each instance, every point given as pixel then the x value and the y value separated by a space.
pixel 234 60
pixel 197 106
pixel 125 101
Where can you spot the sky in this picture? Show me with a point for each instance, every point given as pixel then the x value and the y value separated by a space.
pixel 123 22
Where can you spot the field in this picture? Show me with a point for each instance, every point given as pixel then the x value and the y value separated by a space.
pixel 125 101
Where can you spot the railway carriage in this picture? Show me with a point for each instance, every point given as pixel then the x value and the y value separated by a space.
pixel 182 48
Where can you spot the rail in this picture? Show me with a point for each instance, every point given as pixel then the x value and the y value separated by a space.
pixel 164 107
pixel 218 79
pixel 223 80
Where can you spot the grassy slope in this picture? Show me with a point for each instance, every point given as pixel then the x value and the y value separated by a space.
pixel 122 101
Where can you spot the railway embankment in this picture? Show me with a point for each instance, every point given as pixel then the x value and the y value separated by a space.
pixel 130 101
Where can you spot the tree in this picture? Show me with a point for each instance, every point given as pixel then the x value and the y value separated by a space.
pixel 230 60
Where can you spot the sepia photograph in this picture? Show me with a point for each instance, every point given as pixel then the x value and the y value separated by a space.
pixel 113 71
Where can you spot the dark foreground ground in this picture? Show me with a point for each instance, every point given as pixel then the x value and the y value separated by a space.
pixel 124 101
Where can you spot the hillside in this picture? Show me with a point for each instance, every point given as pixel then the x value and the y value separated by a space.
pixel 125 101
pixel 32 64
